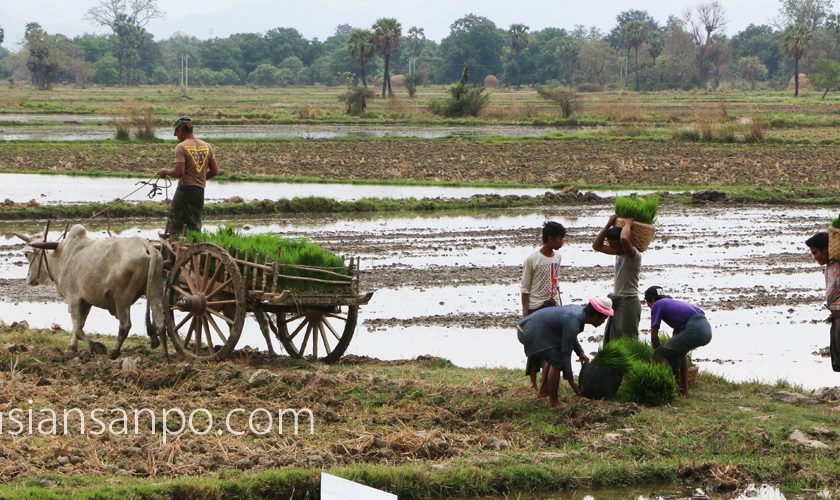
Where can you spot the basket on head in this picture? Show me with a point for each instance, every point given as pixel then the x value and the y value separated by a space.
pixel 833 243
pixel 640 235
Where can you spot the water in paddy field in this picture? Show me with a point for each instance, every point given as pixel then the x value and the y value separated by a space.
pixel 52 189
pixel 91 128
pixel 753 491
pixel 748 268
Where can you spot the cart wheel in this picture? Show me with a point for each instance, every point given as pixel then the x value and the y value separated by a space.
pixel 319 333
pixel 207 304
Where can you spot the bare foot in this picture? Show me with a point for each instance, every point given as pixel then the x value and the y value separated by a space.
pixel 557 405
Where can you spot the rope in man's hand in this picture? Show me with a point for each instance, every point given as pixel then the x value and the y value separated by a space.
pixel 155 188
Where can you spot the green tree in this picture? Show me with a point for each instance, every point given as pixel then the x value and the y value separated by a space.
pixel 474 41
pixel 387 33
pixel 598 62
pixel 127 19
pixel 797 41
pixel 752 69
pixel 633 35
pixel 763 42
pixel 826 75
pixel 106 70
pixel 264 75
pixel 285 42
pixel 518 43
pixel 719 55
pixel 361 48
pixel 41 61
pixel 656 42
pixel 809 13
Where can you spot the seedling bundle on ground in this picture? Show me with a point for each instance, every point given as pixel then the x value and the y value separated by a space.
pixel 643 211
pixel 626 370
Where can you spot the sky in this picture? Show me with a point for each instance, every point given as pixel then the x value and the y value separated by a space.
pixel 318 18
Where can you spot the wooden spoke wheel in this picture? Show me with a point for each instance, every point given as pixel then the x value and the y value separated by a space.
pixel 322 333
pixel 207 303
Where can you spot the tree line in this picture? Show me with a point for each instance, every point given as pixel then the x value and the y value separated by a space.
pixel 687 50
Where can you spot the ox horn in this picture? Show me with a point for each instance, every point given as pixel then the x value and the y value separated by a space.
pixel 45 245
pixel 23 237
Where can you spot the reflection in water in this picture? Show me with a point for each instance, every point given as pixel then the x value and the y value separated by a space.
pixel 53 189
pixel 751 492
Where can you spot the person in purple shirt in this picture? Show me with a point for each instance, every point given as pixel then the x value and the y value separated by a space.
pixel 691 330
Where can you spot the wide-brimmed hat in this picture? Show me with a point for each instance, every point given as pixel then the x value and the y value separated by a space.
pixel 603 305
pixel 656 293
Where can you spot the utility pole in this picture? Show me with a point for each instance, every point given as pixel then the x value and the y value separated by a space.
pixel 185 71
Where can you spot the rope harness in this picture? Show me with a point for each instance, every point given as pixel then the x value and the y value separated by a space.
pixel 157 186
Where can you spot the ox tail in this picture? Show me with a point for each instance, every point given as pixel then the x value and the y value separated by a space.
pixel 155 294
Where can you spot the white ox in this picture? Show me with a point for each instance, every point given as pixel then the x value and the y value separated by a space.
pixel 110 274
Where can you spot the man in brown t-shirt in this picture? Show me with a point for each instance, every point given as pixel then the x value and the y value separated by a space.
pixel 194 164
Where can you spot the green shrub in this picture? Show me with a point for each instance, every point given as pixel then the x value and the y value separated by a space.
pixel 615 356
pixel 836 222
pixel 568 100
pixel 649 384
pixel 463 101
pixel 637 350
pixel 263 247
pixel 640 209
pixel 355 98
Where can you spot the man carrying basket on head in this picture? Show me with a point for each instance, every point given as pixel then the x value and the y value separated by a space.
pixel 194 164
pixel 628 265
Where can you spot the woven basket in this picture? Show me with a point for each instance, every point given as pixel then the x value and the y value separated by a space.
pixel 641 235
pixel 833 243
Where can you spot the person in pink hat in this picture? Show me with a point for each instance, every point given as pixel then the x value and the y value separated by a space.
pixel 551 335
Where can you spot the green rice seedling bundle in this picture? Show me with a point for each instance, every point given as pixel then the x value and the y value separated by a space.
pixel 263 248
pixel 834 239
pixel 649 384
pixel 614 356
pixel 636 349
pixel 643 211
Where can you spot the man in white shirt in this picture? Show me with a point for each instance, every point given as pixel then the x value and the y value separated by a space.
pixel 540 285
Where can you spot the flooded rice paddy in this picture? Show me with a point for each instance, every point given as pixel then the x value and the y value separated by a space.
pixel 448 285
pixel 52 189
pixel 97 128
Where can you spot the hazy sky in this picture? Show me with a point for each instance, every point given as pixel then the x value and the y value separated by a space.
pixel 318 18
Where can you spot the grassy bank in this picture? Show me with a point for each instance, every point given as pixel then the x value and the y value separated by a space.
pixel 321 205
pixel 418 428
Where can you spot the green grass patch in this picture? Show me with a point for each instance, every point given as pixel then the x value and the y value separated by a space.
pixel 640 209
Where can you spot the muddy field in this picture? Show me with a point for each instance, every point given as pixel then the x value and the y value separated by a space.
pixel 531 161
pixel 445 282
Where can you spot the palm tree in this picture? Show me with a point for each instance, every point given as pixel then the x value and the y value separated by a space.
pixel 387 33
pixel 797 40
pixel 518 44
pixel 634 34
pixel 361 49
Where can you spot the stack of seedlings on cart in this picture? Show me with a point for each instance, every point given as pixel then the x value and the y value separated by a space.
pixel 272 264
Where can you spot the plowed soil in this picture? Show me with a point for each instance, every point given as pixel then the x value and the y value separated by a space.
pixel 530 161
